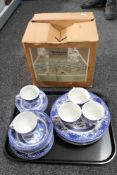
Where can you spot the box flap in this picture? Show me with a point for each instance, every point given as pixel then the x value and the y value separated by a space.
pixel 81 32
pixel 40 33
pixel 56 28
pixel 63 20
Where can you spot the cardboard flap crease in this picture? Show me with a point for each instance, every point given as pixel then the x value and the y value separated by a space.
pixel 56 28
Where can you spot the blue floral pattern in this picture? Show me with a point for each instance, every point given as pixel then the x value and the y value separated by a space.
pixel 37 154
pixel 82 132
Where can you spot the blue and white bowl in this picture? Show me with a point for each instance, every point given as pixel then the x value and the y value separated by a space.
pixel 82 132
pixel 31 98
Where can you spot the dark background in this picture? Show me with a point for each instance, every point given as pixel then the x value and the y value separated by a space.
pixel 14 74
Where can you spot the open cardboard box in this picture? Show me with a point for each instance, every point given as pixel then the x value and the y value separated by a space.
pixel 57 34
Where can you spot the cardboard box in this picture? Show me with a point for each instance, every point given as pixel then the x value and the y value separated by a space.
pixel 61 49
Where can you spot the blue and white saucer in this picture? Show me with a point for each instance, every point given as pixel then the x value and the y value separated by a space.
pixel 81 132
pixel 35 154
pixel 42 133
pixel 40 104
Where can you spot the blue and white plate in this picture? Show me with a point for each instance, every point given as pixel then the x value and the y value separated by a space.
pixel 81 132
pixel 41 134
pixel 35 154
pixel 40 104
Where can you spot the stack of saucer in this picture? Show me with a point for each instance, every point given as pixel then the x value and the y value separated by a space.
pixel 31 135
pixel 80 117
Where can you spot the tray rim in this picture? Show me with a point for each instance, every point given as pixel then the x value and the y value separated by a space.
pixel 65 162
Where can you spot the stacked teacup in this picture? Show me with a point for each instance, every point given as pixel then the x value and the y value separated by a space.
pixel 31 131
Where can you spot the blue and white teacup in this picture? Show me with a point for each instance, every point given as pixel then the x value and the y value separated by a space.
pixel 93 111
pixel 25 126
pixel 69 112
pixel 31 98
pixel 78 95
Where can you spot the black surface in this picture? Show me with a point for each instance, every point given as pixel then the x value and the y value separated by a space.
pixel 100 152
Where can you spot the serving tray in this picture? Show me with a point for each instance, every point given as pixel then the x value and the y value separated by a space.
pixel 100 152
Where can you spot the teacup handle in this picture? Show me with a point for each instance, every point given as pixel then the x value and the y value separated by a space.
pixel 20 101
pixel 17 97
pixel 16 134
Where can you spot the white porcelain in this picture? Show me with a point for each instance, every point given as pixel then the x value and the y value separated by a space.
pixel 78 95
pixel 69 112
pixel 29 92
pixel 24 122
pixel 93 110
